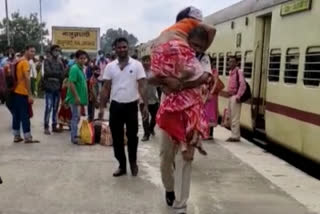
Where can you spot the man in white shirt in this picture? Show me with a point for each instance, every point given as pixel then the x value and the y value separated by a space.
pixel 124 81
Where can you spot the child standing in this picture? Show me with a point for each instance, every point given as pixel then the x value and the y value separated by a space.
pixel 65 114
pixel 93 87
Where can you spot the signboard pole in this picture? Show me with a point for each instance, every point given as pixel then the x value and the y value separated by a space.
pixel 41 39
pixel 7 23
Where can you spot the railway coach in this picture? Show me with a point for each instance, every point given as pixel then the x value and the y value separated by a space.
pixel 278 42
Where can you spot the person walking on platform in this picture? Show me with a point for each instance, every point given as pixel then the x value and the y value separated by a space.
pixel 175 168
pixel 52 82
pixel 153 102
pixel 22 98
pixel 236 88
pixel 124 80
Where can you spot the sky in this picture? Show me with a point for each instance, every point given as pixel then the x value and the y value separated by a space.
pixel 144 18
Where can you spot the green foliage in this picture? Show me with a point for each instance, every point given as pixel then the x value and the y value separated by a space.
pixel 23 31
pixel 111 34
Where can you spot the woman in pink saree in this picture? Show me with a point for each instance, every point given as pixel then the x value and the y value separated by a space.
pixel 211 104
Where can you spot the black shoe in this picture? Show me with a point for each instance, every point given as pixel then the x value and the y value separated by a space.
pixel 56 130
pixel 145 138
pixel 119 172
pixel 170 197
pixel 134 169
pixel 47 132
pixel 153 133
pixel 1 181
pixel 233 140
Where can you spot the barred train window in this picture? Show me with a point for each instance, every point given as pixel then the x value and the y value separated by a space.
pixel 292 66
pixel 312 67
pixel 239 58
pixel 228 58
pixel 214 61
pixel 274 65
pixel 221 63
pixel 248 63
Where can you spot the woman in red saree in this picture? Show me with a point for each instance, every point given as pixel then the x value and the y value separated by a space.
pixel 181 113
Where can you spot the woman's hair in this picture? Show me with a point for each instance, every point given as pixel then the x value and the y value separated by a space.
pixel 190 12
pixel 199 32
pixel 183 14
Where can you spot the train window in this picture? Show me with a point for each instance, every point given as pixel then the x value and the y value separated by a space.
pixel 274 65
pixel 292 66
pixel 228 58
pixel 248 63
pixel 214 61
pixel 239 58
pixel 312 67
pixel 221 63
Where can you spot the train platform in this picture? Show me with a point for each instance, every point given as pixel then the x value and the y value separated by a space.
pixel 56 177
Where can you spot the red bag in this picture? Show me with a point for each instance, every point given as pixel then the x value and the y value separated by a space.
pixel 220 86
pixel 106 138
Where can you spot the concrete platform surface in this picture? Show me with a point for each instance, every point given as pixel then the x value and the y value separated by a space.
pixel 56 177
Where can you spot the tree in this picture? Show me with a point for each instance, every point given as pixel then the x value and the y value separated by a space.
pixel 23 31
pixel 111 34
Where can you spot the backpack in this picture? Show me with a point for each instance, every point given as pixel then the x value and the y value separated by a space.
pixel 11 76
pixel 247 93
pixel 51 83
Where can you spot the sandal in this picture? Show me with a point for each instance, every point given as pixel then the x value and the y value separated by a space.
pixel 202 151
pixel 17 139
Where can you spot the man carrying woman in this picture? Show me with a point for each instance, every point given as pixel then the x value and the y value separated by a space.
pixel 185 38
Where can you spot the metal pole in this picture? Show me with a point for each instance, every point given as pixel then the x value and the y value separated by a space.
pixel 41 42
pixel 7 23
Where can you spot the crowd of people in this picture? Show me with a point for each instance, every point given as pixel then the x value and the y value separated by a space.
pixel 175 87
pixel 24 76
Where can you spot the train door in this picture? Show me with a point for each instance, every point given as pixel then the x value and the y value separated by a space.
pixel 263 33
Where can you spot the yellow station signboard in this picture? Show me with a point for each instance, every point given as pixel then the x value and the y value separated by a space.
pixel 75 38
pixel 295 6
